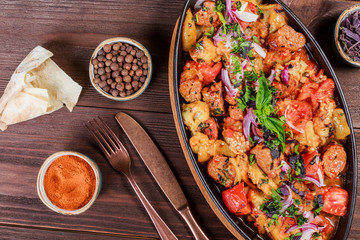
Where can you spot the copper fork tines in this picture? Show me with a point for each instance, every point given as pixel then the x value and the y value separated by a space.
pixel 119 159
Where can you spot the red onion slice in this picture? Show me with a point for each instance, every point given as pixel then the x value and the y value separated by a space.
pixel 290 124
pixel 259 50
pixel 198 4
pixel 244 65
pixel 285 75
pixel 272 75
pixel 285 166
pixel 292 228
pixel 252 116
pixel 245 16
pixel 246 126
pixel 228 9
pixel 218 36
pixel 313 180
pixel 253 130
pixel 228 86
pixel 309 215
pixel 248 59
pixel 321 177
pixel 286 203
pixel 307 234
pixel 306 226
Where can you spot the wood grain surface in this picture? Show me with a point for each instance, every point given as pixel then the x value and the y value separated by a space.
pixel 71 29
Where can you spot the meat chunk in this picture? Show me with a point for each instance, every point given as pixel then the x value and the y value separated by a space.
pixel 206 16
pixel 190 90
pixel 286 38
pixel 213 96
pixel 334 160
pixel 268 160
pixel 236 113
pixel 221 170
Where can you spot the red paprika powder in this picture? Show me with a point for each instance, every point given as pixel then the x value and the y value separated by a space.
pixel 69 182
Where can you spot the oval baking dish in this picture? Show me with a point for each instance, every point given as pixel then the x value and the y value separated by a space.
pixel 237 226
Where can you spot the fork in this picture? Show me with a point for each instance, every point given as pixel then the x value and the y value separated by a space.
pixel 119 159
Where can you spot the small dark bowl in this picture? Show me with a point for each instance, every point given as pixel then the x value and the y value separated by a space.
pixel 238 226
pixel 338 49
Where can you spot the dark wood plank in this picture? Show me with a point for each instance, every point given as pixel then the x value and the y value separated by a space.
pixel 25 233
pixel 117 210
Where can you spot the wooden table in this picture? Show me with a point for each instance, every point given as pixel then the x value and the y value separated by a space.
pixel 71 29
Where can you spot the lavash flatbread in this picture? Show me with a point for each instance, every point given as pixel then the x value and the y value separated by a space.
pixel 37 87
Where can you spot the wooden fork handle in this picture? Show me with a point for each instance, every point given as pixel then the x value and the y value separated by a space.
pixel 164 231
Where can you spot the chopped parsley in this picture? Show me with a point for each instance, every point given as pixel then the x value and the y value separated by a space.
pixel 252 159
pixel 251 76
pixel 199 46
pixel 237 64
pixel 211 33
pixel 255 39
pixel 297 163
pixel 220 6
pixel 318 205
pixel 296 149
pixel 247 95
pixel 221 18
pixel 264 181
pixel 258 10
pixel 217 111
pixel 242 47
pixel 301 219
pixel 272 207
pixel 238 5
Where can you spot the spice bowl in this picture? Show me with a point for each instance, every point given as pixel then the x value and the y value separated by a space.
pixel 41 182
pixel 336 41
pixel 120 68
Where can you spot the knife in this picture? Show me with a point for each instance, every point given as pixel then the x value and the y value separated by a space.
pixel 159 169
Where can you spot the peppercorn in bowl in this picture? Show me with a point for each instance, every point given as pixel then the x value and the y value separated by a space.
pixel 120 68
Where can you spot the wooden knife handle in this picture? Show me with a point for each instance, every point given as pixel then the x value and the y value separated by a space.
pixel 193 225
pixel 163 230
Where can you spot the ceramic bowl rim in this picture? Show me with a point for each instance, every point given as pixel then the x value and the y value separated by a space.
pixel 343 55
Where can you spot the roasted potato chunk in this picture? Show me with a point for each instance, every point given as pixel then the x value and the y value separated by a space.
pixel 189 31
pixel 195 113
pixel 205 50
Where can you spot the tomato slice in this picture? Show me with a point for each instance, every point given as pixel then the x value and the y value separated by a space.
pixel 298 113
pixel 236 201
pixel 209 73
pixel 321 221
pixel 335 201
pixel 324 92
pixel 311 166
pixel 307 90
